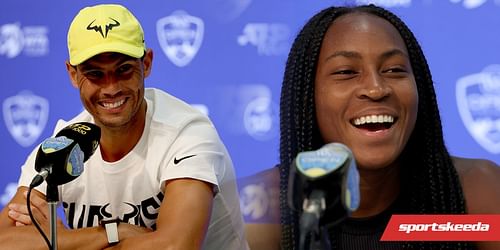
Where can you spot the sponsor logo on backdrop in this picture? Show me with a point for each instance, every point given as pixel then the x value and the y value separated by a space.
pixel 260 113
pixel 254 201
pixel 30 40
pixel 470 4
pixel 271 39
pixel 386 3
pixel 260 118
pixel 478 100
pixel 180 36
pixel 25 116
pixel 251 111
pixel 257 201
pixel 8 193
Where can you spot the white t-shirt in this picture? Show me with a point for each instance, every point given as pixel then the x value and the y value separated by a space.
pixel 178 142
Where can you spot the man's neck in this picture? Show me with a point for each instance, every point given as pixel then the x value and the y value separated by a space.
pixel 115 143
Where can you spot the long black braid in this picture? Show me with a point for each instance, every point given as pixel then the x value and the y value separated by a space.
pixel 429 177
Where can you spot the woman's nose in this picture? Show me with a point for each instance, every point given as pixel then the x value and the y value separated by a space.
pixel 374 87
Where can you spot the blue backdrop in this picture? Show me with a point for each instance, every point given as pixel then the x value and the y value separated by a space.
pixel 231 65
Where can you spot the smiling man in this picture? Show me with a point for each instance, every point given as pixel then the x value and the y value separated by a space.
pixel 161 176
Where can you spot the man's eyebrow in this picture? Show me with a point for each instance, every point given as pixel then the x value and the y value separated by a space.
pixel 87 66
pixel 91 66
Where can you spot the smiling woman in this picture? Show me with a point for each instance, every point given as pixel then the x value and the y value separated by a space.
pixel 363 74
pixel 358 76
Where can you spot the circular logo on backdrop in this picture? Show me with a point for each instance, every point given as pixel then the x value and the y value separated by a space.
pixel 260 118
pixel 11 40
pixel 254 201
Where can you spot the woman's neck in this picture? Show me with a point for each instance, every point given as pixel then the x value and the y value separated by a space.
pixel 379 189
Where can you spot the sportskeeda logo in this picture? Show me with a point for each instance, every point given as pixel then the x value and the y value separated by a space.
pixel 448 227
pixel 443 227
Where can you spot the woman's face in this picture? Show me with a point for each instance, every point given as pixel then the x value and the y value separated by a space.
pixel 365 91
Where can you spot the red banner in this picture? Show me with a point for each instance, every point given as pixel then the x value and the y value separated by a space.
pixel 470 227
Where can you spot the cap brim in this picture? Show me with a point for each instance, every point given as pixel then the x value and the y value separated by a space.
pixel 133 51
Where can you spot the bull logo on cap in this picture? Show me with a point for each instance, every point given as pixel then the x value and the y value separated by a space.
pixel 25 116
pixel 98 27
pixel 180 36
pixel 478 100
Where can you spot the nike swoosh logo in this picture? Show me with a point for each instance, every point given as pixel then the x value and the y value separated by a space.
pixel 176 161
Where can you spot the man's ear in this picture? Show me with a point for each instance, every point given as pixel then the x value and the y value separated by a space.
pixel 72 74
pixel 148 62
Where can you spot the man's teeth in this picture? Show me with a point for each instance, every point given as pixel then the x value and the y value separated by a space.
pixel 112 105
pixel 373 119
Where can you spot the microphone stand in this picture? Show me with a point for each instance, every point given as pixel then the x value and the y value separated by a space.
pixel 52 200
pixel 313 208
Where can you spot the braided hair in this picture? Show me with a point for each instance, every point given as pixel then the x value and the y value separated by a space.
pixel 429 177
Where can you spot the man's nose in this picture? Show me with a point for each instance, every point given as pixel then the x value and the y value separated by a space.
pixel 111 85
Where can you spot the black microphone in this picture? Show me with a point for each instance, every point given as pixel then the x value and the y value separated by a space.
pixel 60 159
pixel 323 180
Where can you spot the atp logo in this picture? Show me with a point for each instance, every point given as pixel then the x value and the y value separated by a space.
pixel 180 36
pixel 25 116
pixel 269 38
pixel 478 100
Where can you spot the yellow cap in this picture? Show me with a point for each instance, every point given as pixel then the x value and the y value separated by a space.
pixel 104 28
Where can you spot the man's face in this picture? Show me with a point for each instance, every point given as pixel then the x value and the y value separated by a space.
pixel 112 87
pixel 365 90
